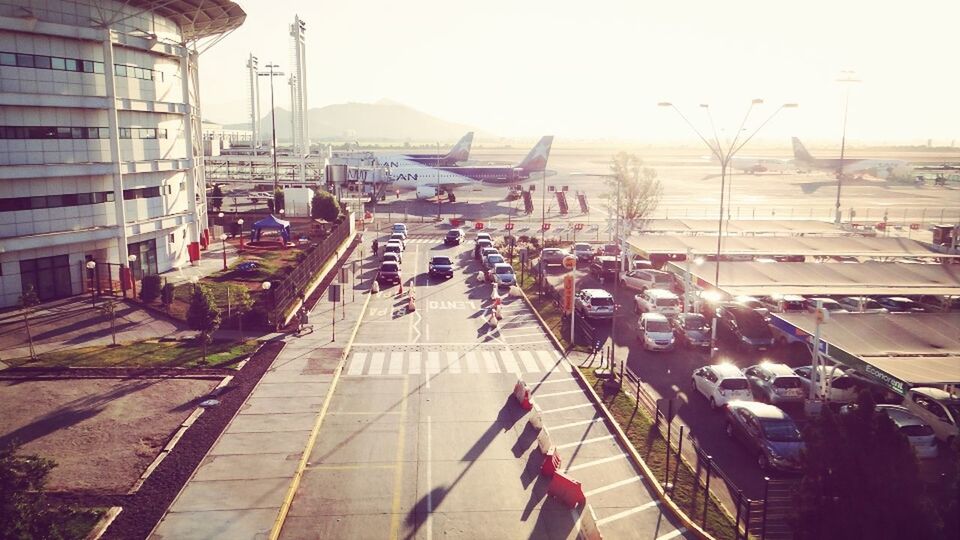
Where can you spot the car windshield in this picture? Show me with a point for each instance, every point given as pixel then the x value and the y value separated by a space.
pixel 442 260
pixel 504 270
pixel 392 247
pixel 922 430
pixel 694 323
pixel 787 382
pixel 662 278
pixel 582 247
pixel 658 326
pixel 780 431
pixel 666 302
pixel 871 304
pixel 793 306
pixel 752 325
pixel 602 301
pixel 389 267
pixel 954 408
pixel 494 259
pixel 611 265
pixel 734 384
pixel 453 234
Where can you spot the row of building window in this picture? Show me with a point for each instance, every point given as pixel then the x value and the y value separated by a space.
pixel 39 61
pixel 77 199
pixel 52 132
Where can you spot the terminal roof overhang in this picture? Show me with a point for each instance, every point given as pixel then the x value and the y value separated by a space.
pixel 856 246
pixel 917 348
pixel 197 18
pixel 863 279
pixel 746 226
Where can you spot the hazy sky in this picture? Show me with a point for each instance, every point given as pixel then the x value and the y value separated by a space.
pixel 583 70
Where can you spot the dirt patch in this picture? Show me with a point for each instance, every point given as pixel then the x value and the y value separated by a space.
pixel 101 432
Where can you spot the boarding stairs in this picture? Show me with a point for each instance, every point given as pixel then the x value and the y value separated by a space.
pixel 562 201
pixel 527 202
pixel 584 207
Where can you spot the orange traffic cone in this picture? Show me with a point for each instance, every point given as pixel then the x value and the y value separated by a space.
pixel 401 287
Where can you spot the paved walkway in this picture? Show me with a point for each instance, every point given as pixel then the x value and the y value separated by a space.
pixel 238 489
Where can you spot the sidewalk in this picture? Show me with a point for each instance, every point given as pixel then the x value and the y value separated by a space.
pixel 238 489
pixel 211 262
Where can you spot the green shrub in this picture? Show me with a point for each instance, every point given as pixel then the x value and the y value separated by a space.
pixel 166 295
pixel 150 288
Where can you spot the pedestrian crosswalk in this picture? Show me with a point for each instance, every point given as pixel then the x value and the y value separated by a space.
pixel 367 363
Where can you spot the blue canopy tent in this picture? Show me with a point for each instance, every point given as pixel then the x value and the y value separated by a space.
pixel 271 223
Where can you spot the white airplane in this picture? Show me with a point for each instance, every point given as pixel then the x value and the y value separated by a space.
pixel 880 168
pixel 754 165
pixel 459 152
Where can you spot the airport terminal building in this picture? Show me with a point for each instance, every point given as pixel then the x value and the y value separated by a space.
pixel 101 150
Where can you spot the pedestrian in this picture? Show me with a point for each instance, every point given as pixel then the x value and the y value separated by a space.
pixel 376 247
pixel 398 193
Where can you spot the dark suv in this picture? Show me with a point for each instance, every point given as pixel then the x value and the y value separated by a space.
pixel 605 267
pixel 743 328
pixel 441 265
pixel 454 237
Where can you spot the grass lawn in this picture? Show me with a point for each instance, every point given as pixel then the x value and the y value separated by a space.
pixel 143 354
pixel 687 493
pixel 548 309
pixel 76 523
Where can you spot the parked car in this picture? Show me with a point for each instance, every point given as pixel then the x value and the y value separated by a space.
pixel 605 267
pixel 391 256
pixel 486 252
pixel 399 238
pixel 657 301
pixel 899 304
pixel 440 265
pixel 767 431
pixel 481 244
pixel 611 250
pixel 721 384
pixel 553 256
pixel 454 237
pixel 594 304
pixel 937 408
pixel 399 228
pixel 692 329
pixel 938 304
pixel 828 304
pixel 774 383
pixel 743 327
pixel 583 252
pixel 861 304
pixel 394 247
pixel 484 236
pixel 642 280
pixel 842 388
pixel 707 301
pixel 654 331
pixel 920 435
pixel 503 275
pixel 492 260
pixel 753 304
pixel 785 303
pixel 640 263
pixel 389 272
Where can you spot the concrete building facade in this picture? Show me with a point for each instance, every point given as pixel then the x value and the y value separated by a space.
pixel 101 151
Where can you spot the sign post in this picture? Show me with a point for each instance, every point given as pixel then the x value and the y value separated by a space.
pixel 569 292
pixel 333 294
pixel 343 298
pixel 814 402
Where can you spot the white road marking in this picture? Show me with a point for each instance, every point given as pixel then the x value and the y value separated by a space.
pixel 564 393
pixel 509 362
pixel 548 381
pixel 433 363
pixel 356 364
pixel 429 478
pixel 614 485
pixel 548 362
pixel 595 462
pixel 396 363
pixel 538 342
pixel 577 444
pixel 570 408
pixel 530 364
pixel 672 534
pixel 628 512
pixel 472 367
pixel 376 363
pixel 453 362
pixel 575 424
pixel 414 367
pixel 490 360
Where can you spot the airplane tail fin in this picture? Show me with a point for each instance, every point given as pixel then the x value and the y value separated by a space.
pixel 800 152
pixel 460 151
pixel 536 160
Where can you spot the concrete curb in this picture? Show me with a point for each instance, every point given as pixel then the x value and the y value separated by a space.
pixel 651 479
pixel 295 482
pixel 101 526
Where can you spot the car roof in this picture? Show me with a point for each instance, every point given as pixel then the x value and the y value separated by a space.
pixel 582 244
pixel 394 243
pixel 900 415
pixel 933 393
pixel 404 225
pixel 603 258
pixel 780 370
pixel 661 293
pixel 435 257
pixel 760 410
pixel 654 317
pixel 501 265
pixel 389 263
pixel 726 370
pixel 596 292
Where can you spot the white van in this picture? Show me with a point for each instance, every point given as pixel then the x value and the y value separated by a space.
pixel 655 332
pixel 657 301
pixel 937 408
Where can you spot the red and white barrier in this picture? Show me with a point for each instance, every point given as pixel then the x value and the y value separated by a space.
pixel 544 442
pixel 551 463
pixel 536 417
pixel 522 394
pixel 566 490
pixel 588 525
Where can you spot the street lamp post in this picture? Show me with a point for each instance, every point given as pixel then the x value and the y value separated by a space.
pixel 848 77
pixel 725 156
pixel 223 244
pixel 439 185
pixel 133 278
pixel 273 120
pixel 240 225
pixel 543 222
pixel 91 266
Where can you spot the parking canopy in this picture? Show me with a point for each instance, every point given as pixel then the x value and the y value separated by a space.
pixel 856 246
pixel 899 350
pixel 862 279
pixel 778 227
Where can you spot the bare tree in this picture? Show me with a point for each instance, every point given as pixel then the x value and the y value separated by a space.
pixel 29 300
pixel 108 308
pixel 640 190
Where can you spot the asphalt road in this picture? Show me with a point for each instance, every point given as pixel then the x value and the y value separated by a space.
pixel 422 436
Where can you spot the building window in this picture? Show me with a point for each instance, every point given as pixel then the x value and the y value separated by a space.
pixel 53 132
pixel 14 204
pixel 173 238
pixel 137 72
pixel 48 276
pixel 146 262
pixel 141 193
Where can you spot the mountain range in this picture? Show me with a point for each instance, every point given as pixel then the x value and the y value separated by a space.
pixel 384 120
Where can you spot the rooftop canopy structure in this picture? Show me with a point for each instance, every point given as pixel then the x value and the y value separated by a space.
pixel 898 350
pixel 271 222
pixel 197 18
pixel 856 246
pixel 773 227
pixel 863 279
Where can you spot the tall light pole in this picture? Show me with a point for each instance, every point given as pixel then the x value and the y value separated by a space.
pixel 724 155
pixel 439 184
pixel 543 222
pixel 846 78
pixel 273 120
